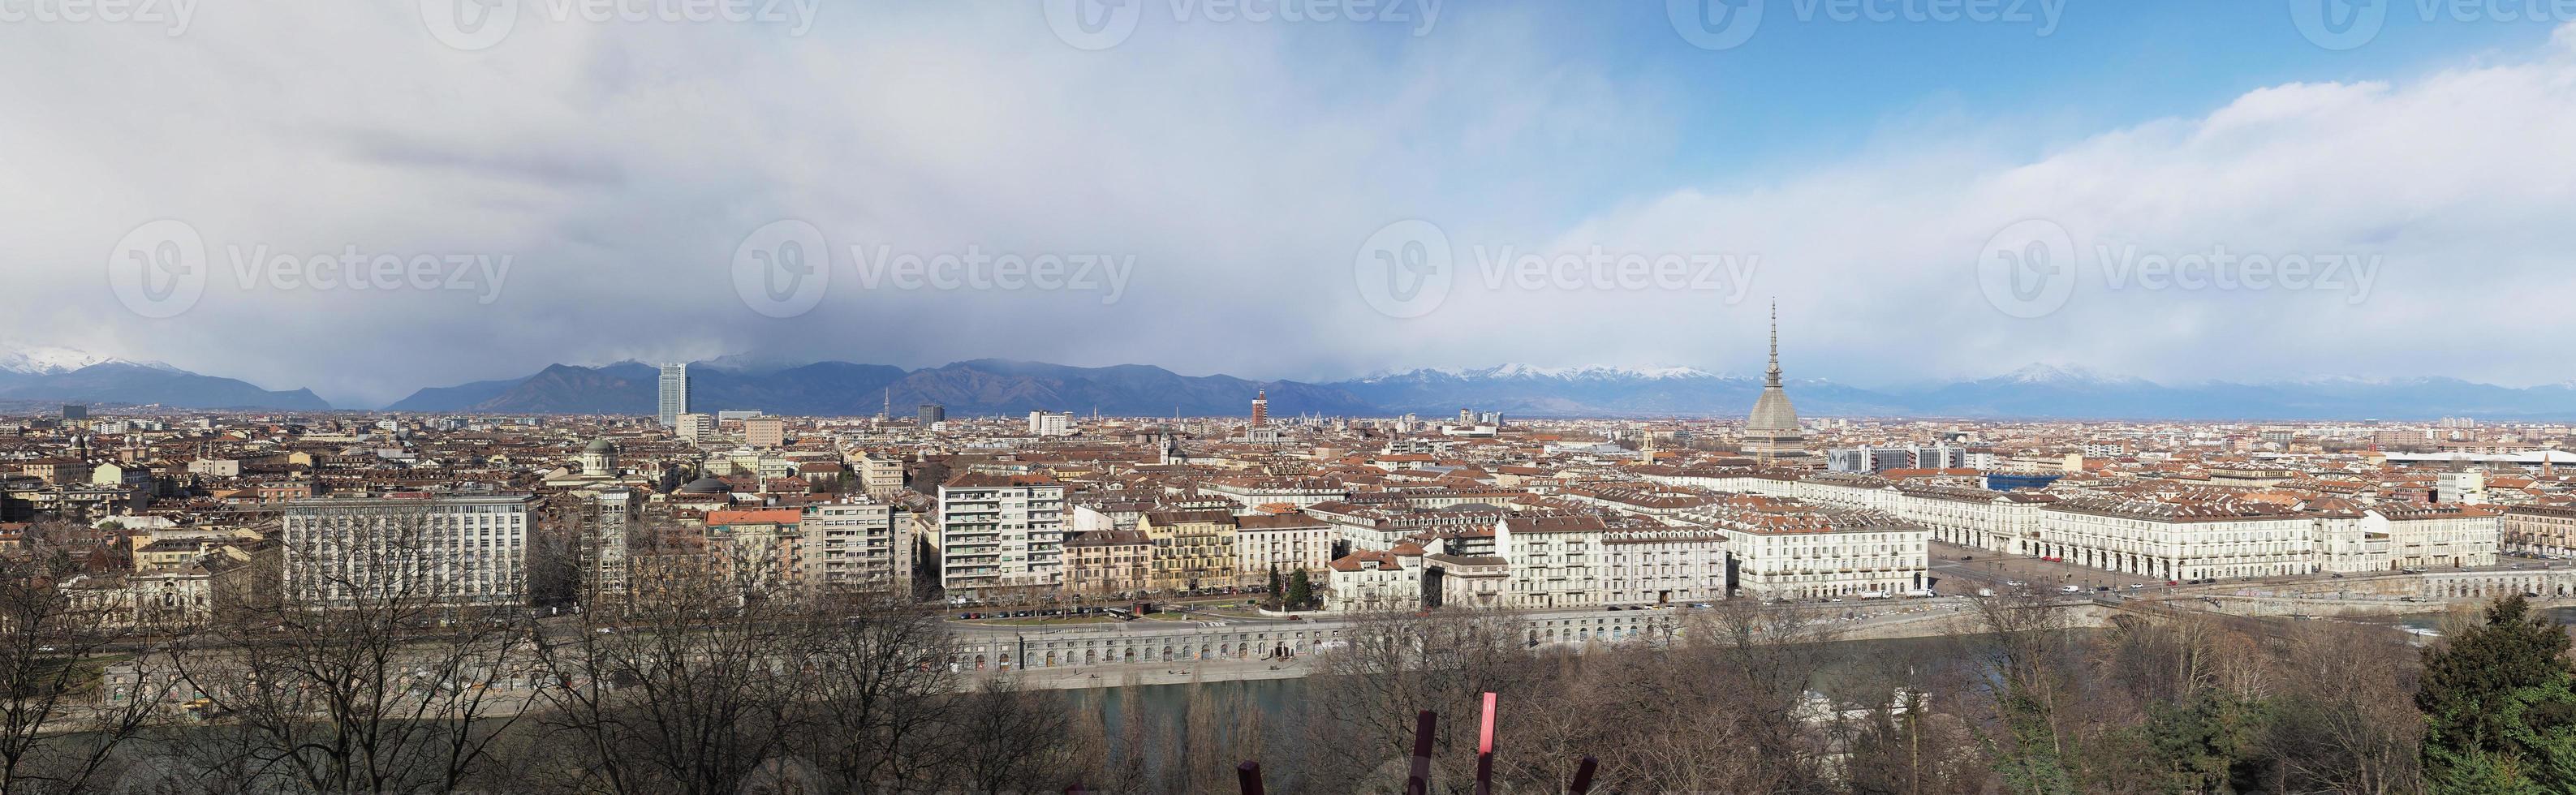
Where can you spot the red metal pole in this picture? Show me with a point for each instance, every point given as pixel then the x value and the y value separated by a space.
pixel 1419 783
pixel 1485 750
pixel 1247 777
pixel 1583 775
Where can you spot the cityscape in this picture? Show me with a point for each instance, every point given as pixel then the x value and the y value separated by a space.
pixel 1851 397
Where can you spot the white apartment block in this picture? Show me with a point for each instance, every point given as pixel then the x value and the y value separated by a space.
pixel 1789 550
pixel 613 510
pixel 1050 423
pixel 2179 537
pixel 1364 582
pixel 857 547
pixel 2439 536
pixel 1263 544
pixel 695 428
pixel 1000 532
pixel 455 550
pixel 1977 518
pixel 880 472
pixel 1256 492
pixel 1556 561
pixel 1663 565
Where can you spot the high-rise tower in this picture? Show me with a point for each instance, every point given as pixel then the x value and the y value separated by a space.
pixel 675 394
pixel 1260 408
pixel 1772 432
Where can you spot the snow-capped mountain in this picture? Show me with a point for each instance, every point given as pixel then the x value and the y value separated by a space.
pixel 2065 375
pixel 1521 371
pixel 45 360
pixel 42 373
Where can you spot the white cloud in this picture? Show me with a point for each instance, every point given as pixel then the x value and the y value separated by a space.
pixel 621 164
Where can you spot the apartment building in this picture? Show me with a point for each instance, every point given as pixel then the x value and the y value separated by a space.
pixel 1100 563
pixel 2179 536
pixel 2449 535
pixel 1284 543
pixel 2540 530
pixel 1968 517
pixel 1556 561
pixel 857 547
pixel 762 550
pixel 1663 565
pixel 766 433
pixel 880 472
pixel 1192 549
pixel 1000 532
pixel 1370 581
pixel 1786 549
pixel 448 549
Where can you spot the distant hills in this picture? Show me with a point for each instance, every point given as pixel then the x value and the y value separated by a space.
pixel 999 387
pixel 132 383
pixel 980 387
pixel 989 387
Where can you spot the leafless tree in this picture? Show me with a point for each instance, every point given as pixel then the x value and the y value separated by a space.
pixel 687 685
pixel 388 663
pixel 65 719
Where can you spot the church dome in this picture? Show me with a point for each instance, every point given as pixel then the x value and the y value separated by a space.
pixel 600 446
pixel 707 485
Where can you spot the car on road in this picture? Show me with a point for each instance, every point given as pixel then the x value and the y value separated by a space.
pixel 2014 583
pixel 2070 589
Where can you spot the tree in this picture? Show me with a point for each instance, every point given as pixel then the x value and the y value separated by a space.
pixel 1301 590
pixel 59 725
pixel 2499 709
pixel 1277 596
pixel 370 672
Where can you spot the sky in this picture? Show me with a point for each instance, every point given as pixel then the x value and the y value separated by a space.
pixel 368 198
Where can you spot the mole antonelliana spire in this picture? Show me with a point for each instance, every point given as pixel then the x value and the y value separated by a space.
pixel 1772 432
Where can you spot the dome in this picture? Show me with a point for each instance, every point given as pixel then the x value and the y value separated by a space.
pixel 600 446
pixel 1772 412
pixel 706 485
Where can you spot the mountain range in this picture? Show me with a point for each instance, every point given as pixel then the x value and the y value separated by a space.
pixel 118 382
pixel 988 387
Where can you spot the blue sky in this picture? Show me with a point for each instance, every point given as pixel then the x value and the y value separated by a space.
pixel 1290 200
